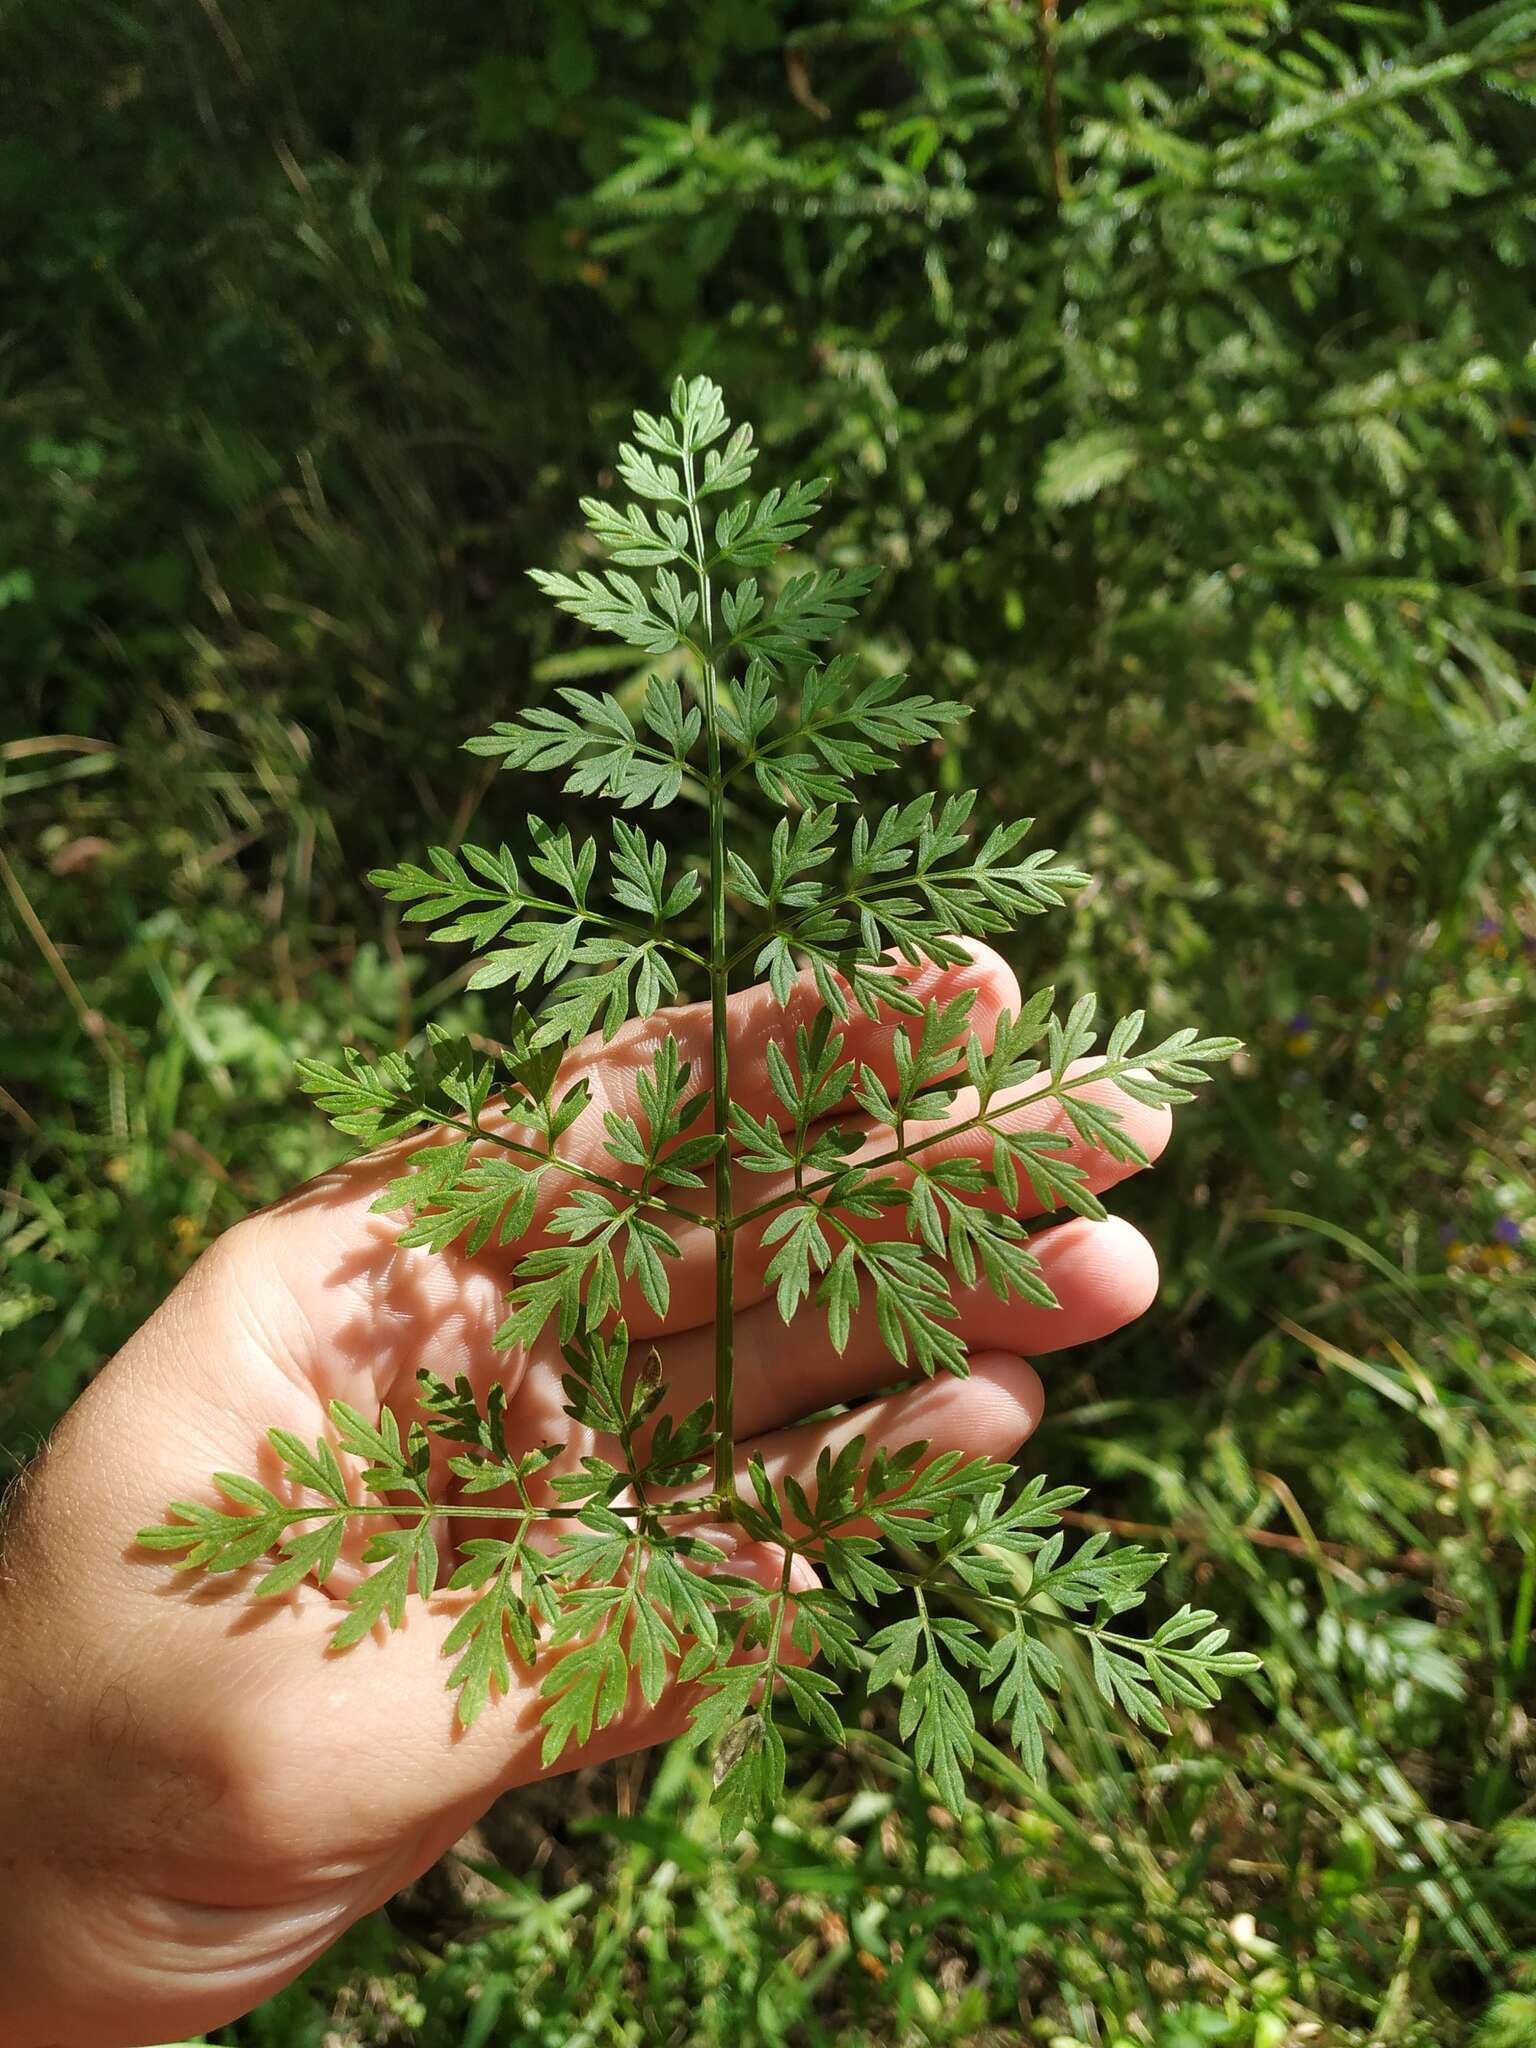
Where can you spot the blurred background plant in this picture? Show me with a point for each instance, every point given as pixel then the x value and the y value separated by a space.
pixel 1177 364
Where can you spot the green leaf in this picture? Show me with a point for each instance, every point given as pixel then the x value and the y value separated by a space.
pixel 630 535
pixel 633 983
pixel 847 730
pixel 751 1787
pixel 491 1199
pixel 802 1245
pixel 1054 1181
pixel 479 891
pixel 727 1693
pixel 810 1691
pixel 1074 1039
pixel 586 1691
pixel 1078 469
pixel 1122 1684
pixel 315 1468
pixel 594 1386
pixel 1095 1573
pixel 751 535
pixel 896 1649
pixel 1028 1673
pixel 852 1566
pixel 209 1539
pixel 597 746
pixel 615 603
pixel 380 1598
pixel 647 1244
pixel 374 1102
pixel 936 1716
pixel 810 607
pixel 479 1638
pixel 912 1303
pixel 312 1555
pixel 913 881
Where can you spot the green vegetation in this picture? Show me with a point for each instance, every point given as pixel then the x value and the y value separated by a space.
pixel 1174 364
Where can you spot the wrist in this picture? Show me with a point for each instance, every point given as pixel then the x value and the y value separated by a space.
pixel 42 1920
pixel 24 2018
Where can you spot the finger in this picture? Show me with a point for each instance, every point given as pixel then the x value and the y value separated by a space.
pixel 1027 1108
pixel 1103 1275
pixel 755 1020
pixel 692 1301
pixel 988 1415
pixel 1023 1109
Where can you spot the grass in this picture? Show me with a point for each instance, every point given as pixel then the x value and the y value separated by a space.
pixel 1210 490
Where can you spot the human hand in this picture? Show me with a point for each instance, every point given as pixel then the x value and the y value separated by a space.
pixel 193 1808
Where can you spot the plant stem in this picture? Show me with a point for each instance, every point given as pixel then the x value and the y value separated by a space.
pixel 419 1510
pixel 775 1645
pixel 719 994
pixel 1056 156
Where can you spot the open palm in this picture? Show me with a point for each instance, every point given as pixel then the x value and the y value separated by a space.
pixel 265 1792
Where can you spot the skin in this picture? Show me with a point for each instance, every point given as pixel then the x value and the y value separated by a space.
pixel 198 1796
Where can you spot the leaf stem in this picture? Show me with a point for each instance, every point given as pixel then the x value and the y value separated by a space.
pixel 981 1606
pixel 632 934
pixel 416 1512
pixel 984 1120
pixel 600 1180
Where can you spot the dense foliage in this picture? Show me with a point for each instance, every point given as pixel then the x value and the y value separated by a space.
pixel 1175 364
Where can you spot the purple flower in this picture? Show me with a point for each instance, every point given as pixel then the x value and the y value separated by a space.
pixel 1302 1021
pixel 1448 1233
pixel 1508 1231
pixel 1488 928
